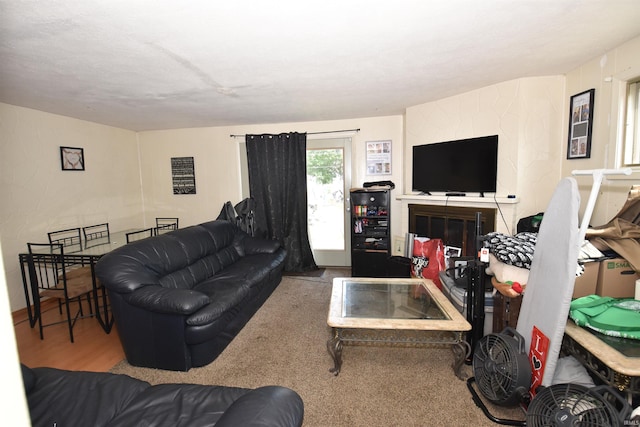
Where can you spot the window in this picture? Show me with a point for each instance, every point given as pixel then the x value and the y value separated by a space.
pixel 631 145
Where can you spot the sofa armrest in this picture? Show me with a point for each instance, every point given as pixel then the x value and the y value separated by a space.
pixel 167 300
pixel 265 406
pixel 258 245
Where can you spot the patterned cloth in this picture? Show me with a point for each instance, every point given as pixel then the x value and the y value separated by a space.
pixel 513 250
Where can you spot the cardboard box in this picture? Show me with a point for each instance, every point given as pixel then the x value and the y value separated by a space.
pixel 587 283
pixel 616 279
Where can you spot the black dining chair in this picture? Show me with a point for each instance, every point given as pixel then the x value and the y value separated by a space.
pixel 95 235
pixel 164 225
pixel 71 241
pixel 49 279
pixel 139 234
pixel 69 238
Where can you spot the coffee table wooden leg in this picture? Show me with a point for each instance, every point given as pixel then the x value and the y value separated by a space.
pixel 334 346
pixel 461 351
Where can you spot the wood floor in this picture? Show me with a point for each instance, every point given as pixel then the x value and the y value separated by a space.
pixel 93 349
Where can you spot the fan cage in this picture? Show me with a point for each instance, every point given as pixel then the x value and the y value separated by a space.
pixel 570 404
pixel 502 373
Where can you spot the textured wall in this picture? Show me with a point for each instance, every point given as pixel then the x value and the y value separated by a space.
pixel 526 114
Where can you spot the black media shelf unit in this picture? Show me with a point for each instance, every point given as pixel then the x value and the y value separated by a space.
pixel 370 231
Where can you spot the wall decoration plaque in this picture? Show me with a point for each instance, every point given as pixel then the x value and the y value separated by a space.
pixel 183 175
pixel 72 158
pixel 580 125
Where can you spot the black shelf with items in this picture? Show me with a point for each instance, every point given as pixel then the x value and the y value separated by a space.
pixel 370 231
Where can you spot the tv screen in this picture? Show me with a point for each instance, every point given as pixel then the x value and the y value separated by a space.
pixel 461 166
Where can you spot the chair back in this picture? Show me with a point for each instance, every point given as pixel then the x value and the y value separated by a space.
pixel 70 239
pixel 95 235
pixel 52 276
pixel 47 267
pixel 139 234
pixel 164 225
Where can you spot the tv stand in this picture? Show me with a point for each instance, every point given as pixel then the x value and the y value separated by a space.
pixel 455 194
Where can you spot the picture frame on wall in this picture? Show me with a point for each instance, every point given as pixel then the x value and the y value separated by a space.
pixel 580 125
pixel 72 158
pixel 183 175
pixel 379 157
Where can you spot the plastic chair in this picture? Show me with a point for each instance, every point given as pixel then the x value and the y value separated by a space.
pixel 48 278
pixel 164 225
pixel 95 235
pixel 139 234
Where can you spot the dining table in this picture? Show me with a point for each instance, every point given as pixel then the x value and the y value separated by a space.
pixel 88 253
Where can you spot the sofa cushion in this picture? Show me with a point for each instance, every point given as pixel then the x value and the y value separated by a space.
pixel 201 269
pixel 223 296
pixel 252 246
pixel 223 233
pixel 167 300
pixel 280 405
pixel 251 270
pixel 188 405
pixel 97 397
pixel 124 269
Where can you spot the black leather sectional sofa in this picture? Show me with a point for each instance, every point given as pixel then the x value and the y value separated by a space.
pixel 178 299
pixel 97 399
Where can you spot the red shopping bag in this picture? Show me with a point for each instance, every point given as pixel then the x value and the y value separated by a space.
pixel 428 259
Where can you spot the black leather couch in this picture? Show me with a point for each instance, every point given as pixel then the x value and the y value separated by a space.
pixel 68 398
pixel 178 299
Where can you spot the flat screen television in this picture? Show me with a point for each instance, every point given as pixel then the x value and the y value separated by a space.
pixel 456 167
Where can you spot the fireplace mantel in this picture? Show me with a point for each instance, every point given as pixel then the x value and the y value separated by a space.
pixel 457 200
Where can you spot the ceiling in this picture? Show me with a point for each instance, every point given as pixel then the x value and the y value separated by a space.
pixel 165 64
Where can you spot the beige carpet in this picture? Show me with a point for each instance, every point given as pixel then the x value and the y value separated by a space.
pixel 285 344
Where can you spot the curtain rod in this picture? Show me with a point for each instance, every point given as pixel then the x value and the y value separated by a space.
pixel 310 133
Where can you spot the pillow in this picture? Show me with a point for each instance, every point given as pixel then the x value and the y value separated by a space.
pixel 513 250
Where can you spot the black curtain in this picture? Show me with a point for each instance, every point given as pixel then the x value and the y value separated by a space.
pixel 278 183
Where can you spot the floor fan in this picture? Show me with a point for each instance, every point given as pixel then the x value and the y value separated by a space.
pixel 502 372
pixel 576 405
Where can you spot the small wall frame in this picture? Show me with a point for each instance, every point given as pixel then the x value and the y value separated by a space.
pixel 72 158
pixel 379 157
pixel 183 175
pixel 580 125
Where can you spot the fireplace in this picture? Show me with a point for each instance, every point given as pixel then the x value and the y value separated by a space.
pixel 455 225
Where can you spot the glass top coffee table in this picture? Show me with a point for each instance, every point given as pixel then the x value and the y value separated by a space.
pixel 386 311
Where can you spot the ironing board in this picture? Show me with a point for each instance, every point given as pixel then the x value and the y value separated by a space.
pixel 545 304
